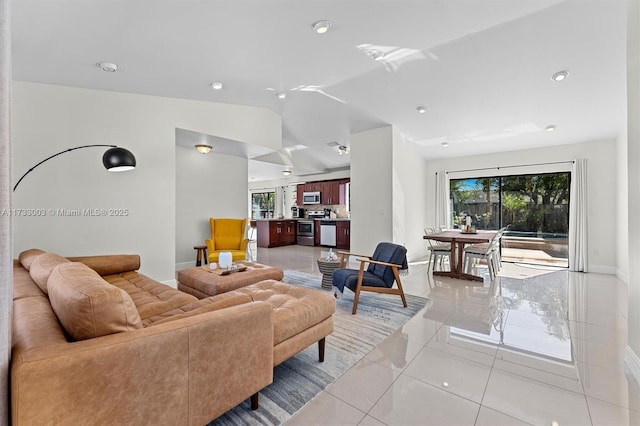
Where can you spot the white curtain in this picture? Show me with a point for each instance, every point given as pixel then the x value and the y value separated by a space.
pixel 6 263
pixel 578 209
pixel 442 200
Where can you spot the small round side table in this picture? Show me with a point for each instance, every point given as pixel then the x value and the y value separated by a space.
pixel 327 267
pixel 202 252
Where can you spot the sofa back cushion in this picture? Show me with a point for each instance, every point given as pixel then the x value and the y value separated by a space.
pixel 110 264
pixel 28 256
pixel 87 306
pixel 42 266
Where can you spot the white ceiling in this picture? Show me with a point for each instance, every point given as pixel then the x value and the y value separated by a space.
pixel 481 68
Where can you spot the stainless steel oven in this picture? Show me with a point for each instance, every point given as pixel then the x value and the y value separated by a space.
pixel 306 232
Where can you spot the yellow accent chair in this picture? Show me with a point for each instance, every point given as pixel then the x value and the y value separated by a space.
pixel 227 235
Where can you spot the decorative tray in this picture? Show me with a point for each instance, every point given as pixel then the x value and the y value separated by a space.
pixel 470 232
pixel 219 271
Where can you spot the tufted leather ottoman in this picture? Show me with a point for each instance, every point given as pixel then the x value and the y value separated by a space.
pixel 202 283
pixel 302 316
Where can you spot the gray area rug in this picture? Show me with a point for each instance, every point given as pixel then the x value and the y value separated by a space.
pixel 300 378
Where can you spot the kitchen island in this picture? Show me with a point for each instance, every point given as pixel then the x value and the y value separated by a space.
pixel 276 232
pixel 283 232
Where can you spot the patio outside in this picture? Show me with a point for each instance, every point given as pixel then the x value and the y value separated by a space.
pixel 533 208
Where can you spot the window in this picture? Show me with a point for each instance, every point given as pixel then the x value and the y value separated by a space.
pixel 535 208
pixel 263 205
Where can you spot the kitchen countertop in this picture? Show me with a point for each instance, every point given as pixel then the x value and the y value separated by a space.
pixel 305 218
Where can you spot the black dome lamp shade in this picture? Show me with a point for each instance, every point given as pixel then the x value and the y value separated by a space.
pixel 115 159
pixel 118 160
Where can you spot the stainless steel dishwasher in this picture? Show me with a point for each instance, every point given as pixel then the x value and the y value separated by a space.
pixel 328 233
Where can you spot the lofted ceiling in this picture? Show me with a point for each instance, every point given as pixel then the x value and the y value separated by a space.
pixel 481 69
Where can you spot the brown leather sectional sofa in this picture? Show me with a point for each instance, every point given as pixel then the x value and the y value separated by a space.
pixel 95 342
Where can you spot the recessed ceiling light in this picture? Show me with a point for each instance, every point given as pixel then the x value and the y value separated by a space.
pixel 560 75
pixel 281 95
pixel 550 128
pixel 107 66
pixel 286 172
pixel 204 149
pixel 445 144
pixel 321 27
pixel 342 149
pixel 377 55
pixel 216 85
pixel 421 109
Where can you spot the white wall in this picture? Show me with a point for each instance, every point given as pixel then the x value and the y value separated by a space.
pixel 601 165
pixel 633 162
pixel 371 189
pixel 206 186
pixel 48 119
pixel 622 208
pixel 409 201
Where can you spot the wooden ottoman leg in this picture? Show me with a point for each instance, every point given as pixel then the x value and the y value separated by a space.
pixel 321 349
pixel 254 401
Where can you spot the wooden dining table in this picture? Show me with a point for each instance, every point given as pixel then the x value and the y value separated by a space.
pixel 458 240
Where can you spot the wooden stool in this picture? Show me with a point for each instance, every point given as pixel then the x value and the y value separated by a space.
pixel 202 251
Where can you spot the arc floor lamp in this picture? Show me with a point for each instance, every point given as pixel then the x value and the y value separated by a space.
pixel 115 159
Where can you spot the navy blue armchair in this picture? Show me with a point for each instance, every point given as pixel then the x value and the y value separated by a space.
pixel 379 276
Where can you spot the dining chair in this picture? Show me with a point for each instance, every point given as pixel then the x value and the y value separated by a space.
pixel 490 252
pixel 438 252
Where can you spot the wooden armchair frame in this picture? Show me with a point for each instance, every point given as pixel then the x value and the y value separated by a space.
pixel 360 287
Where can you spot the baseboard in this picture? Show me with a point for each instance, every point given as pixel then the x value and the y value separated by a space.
pixel 633 362
pixel 601 269
pixel 623 276
pixel 171 283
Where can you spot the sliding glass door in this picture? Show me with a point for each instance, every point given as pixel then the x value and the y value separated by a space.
pixel 534 208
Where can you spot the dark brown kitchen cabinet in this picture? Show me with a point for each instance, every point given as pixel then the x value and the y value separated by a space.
pixel 343 234
pixel 299 195
pixel 275 233
pixel 330 194
pixel 288 235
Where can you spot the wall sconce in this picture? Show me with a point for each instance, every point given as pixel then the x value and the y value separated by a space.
pixel 204 149
pixel 115 159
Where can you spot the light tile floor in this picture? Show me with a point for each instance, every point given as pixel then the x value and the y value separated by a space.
pixel 537 346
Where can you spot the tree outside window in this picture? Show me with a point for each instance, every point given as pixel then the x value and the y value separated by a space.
pixel 263 205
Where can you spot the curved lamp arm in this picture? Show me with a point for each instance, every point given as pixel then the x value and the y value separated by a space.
pixel 114 159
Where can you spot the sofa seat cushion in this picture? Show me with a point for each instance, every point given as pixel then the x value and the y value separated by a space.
pixel 28 256
pixel 295 308
pixel 86 305
pixel 42 266
pixel 208 304
pixel 151 298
